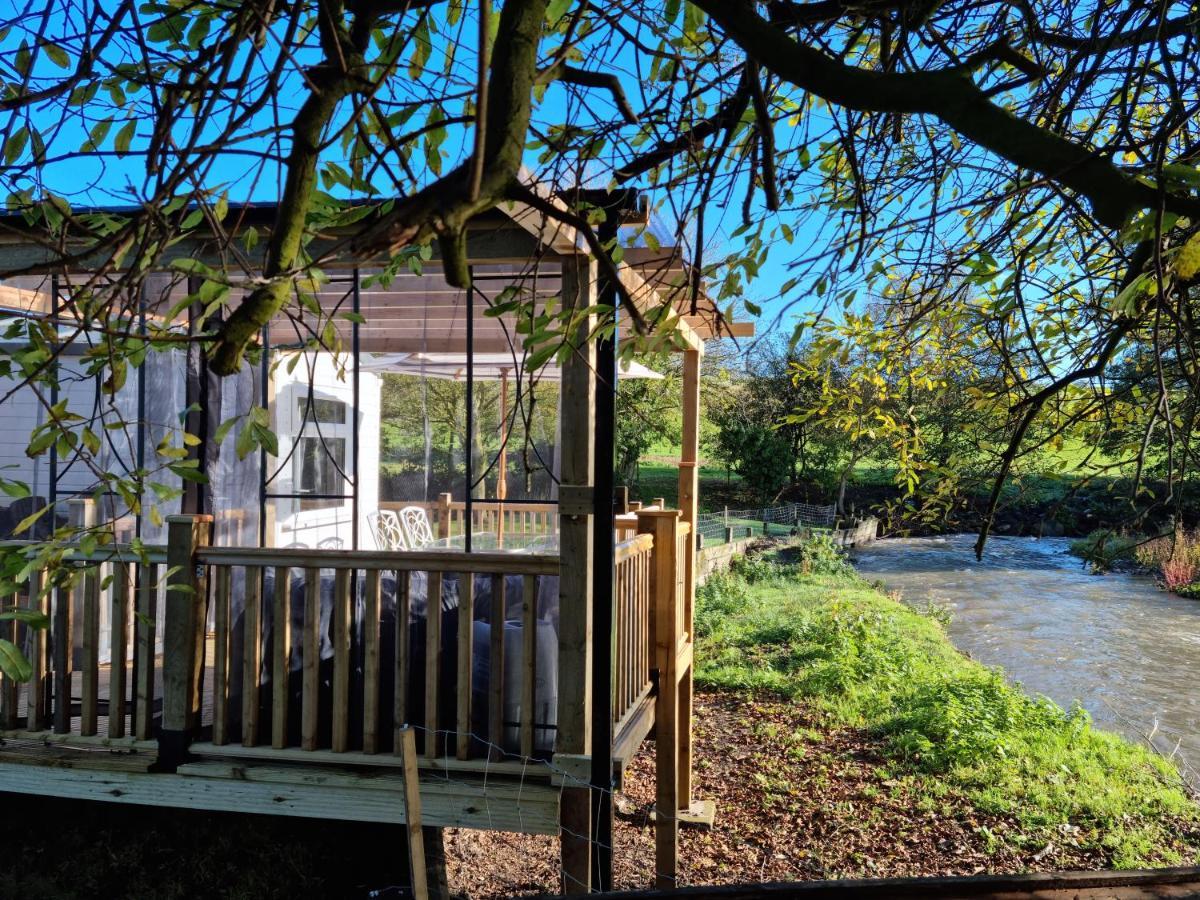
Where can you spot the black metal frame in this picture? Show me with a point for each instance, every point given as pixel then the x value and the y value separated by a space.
pixel 265 495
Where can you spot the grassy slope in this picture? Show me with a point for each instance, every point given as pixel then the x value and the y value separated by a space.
pixel 945 723
pixel 660 478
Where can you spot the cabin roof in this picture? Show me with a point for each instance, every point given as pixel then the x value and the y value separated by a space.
pixel 510 246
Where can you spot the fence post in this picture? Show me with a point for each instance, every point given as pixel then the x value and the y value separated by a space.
pixel 664 525
pixel 183 636
pixel 443 515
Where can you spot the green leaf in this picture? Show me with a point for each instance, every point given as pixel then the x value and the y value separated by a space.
pixel 31 617
pixel 556 9
pixel 13 662
pixel 223 429
pixel 199 31
pixel 28 521
pixel 15 489
pixel 98 133
pixel 434 139
pixel 124 137
pixel 57 55
pixel 15 145
pixel 422 48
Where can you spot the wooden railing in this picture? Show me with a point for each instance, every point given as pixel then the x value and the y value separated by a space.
pixel 503 519
pixel 97 604
pixel 671 587
pixel 343 599
pixel 320 656
pixel 633 614
pixel 683 617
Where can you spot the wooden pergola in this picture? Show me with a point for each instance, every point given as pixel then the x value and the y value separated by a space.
pixel 625 584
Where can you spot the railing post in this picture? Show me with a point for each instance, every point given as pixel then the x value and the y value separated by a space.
pixel 664 525
pixel 183 636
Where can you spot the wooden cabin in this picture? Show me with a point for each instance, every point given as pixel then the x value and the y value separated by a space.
pixel 256 644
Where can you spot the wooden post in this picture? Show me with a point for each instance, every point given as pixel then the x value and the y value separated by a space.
pixel 183 636
pixel 36 700
pixel 443 510
pixel 622 500
pixel 412 815
pixel 122 594
pixel 689 482
pixel 577 409
pixel 664 525
pixel 144 638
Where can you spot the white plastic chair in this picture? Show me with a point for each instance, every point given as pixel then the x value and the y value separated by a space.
pixel 389 534
pixel 417 530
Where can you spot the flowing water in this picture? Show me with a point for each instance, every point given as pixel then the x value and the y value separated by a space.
pixel 1126 651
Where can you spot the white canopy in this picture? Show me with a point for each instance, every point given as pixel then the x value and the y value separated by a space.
pixel 487 366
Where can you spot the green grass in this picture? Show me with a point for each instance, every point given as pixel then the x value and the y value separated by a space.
pixel 866 661
pixel 660 478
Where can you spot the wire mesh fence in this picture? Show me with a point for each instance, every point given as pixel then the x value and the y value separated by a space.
pixel 735 524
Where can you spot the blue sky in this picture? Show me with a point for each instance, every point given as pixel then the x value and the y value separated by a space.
pixel 114 180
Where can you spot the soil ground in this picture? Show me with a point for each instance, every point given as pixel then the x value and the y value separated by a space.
pixel 794 802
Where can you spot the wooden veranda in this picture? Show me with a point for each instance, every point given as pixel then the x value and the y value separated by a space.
pixel 273 680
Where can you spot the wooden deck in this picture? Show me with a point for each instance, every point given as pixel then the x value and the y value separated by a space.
pixel 350 786
pixel 364 794
pixel 298 717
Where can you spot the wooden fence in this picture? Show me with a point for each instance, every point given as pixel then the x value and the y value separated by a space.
pixel 633 617
pixel 108 598
pixel 447 517
pixel 351 576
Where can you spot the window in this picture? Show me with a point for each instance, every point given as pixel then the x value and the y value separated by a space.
pixel 320 456
pixel 324 412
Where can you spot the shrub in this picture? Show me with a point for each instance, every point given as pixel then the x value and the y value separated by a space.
pixel 1104 547
pixel 1176 557
pixel 1153 553
pixel 967 717
pixel 820 555
pixel 757 569
pixel 1178 571
pixel 721 595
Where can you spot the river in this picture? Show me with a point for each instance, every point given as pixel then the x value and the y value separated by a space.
pixel 1126 651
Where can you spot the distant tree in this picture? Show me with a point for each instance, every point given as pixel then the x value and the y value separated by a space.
pixel 746 436
pixel 647 413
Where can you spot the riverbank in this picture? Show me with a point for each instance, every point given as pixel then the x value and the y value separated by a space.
pixel 942 725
